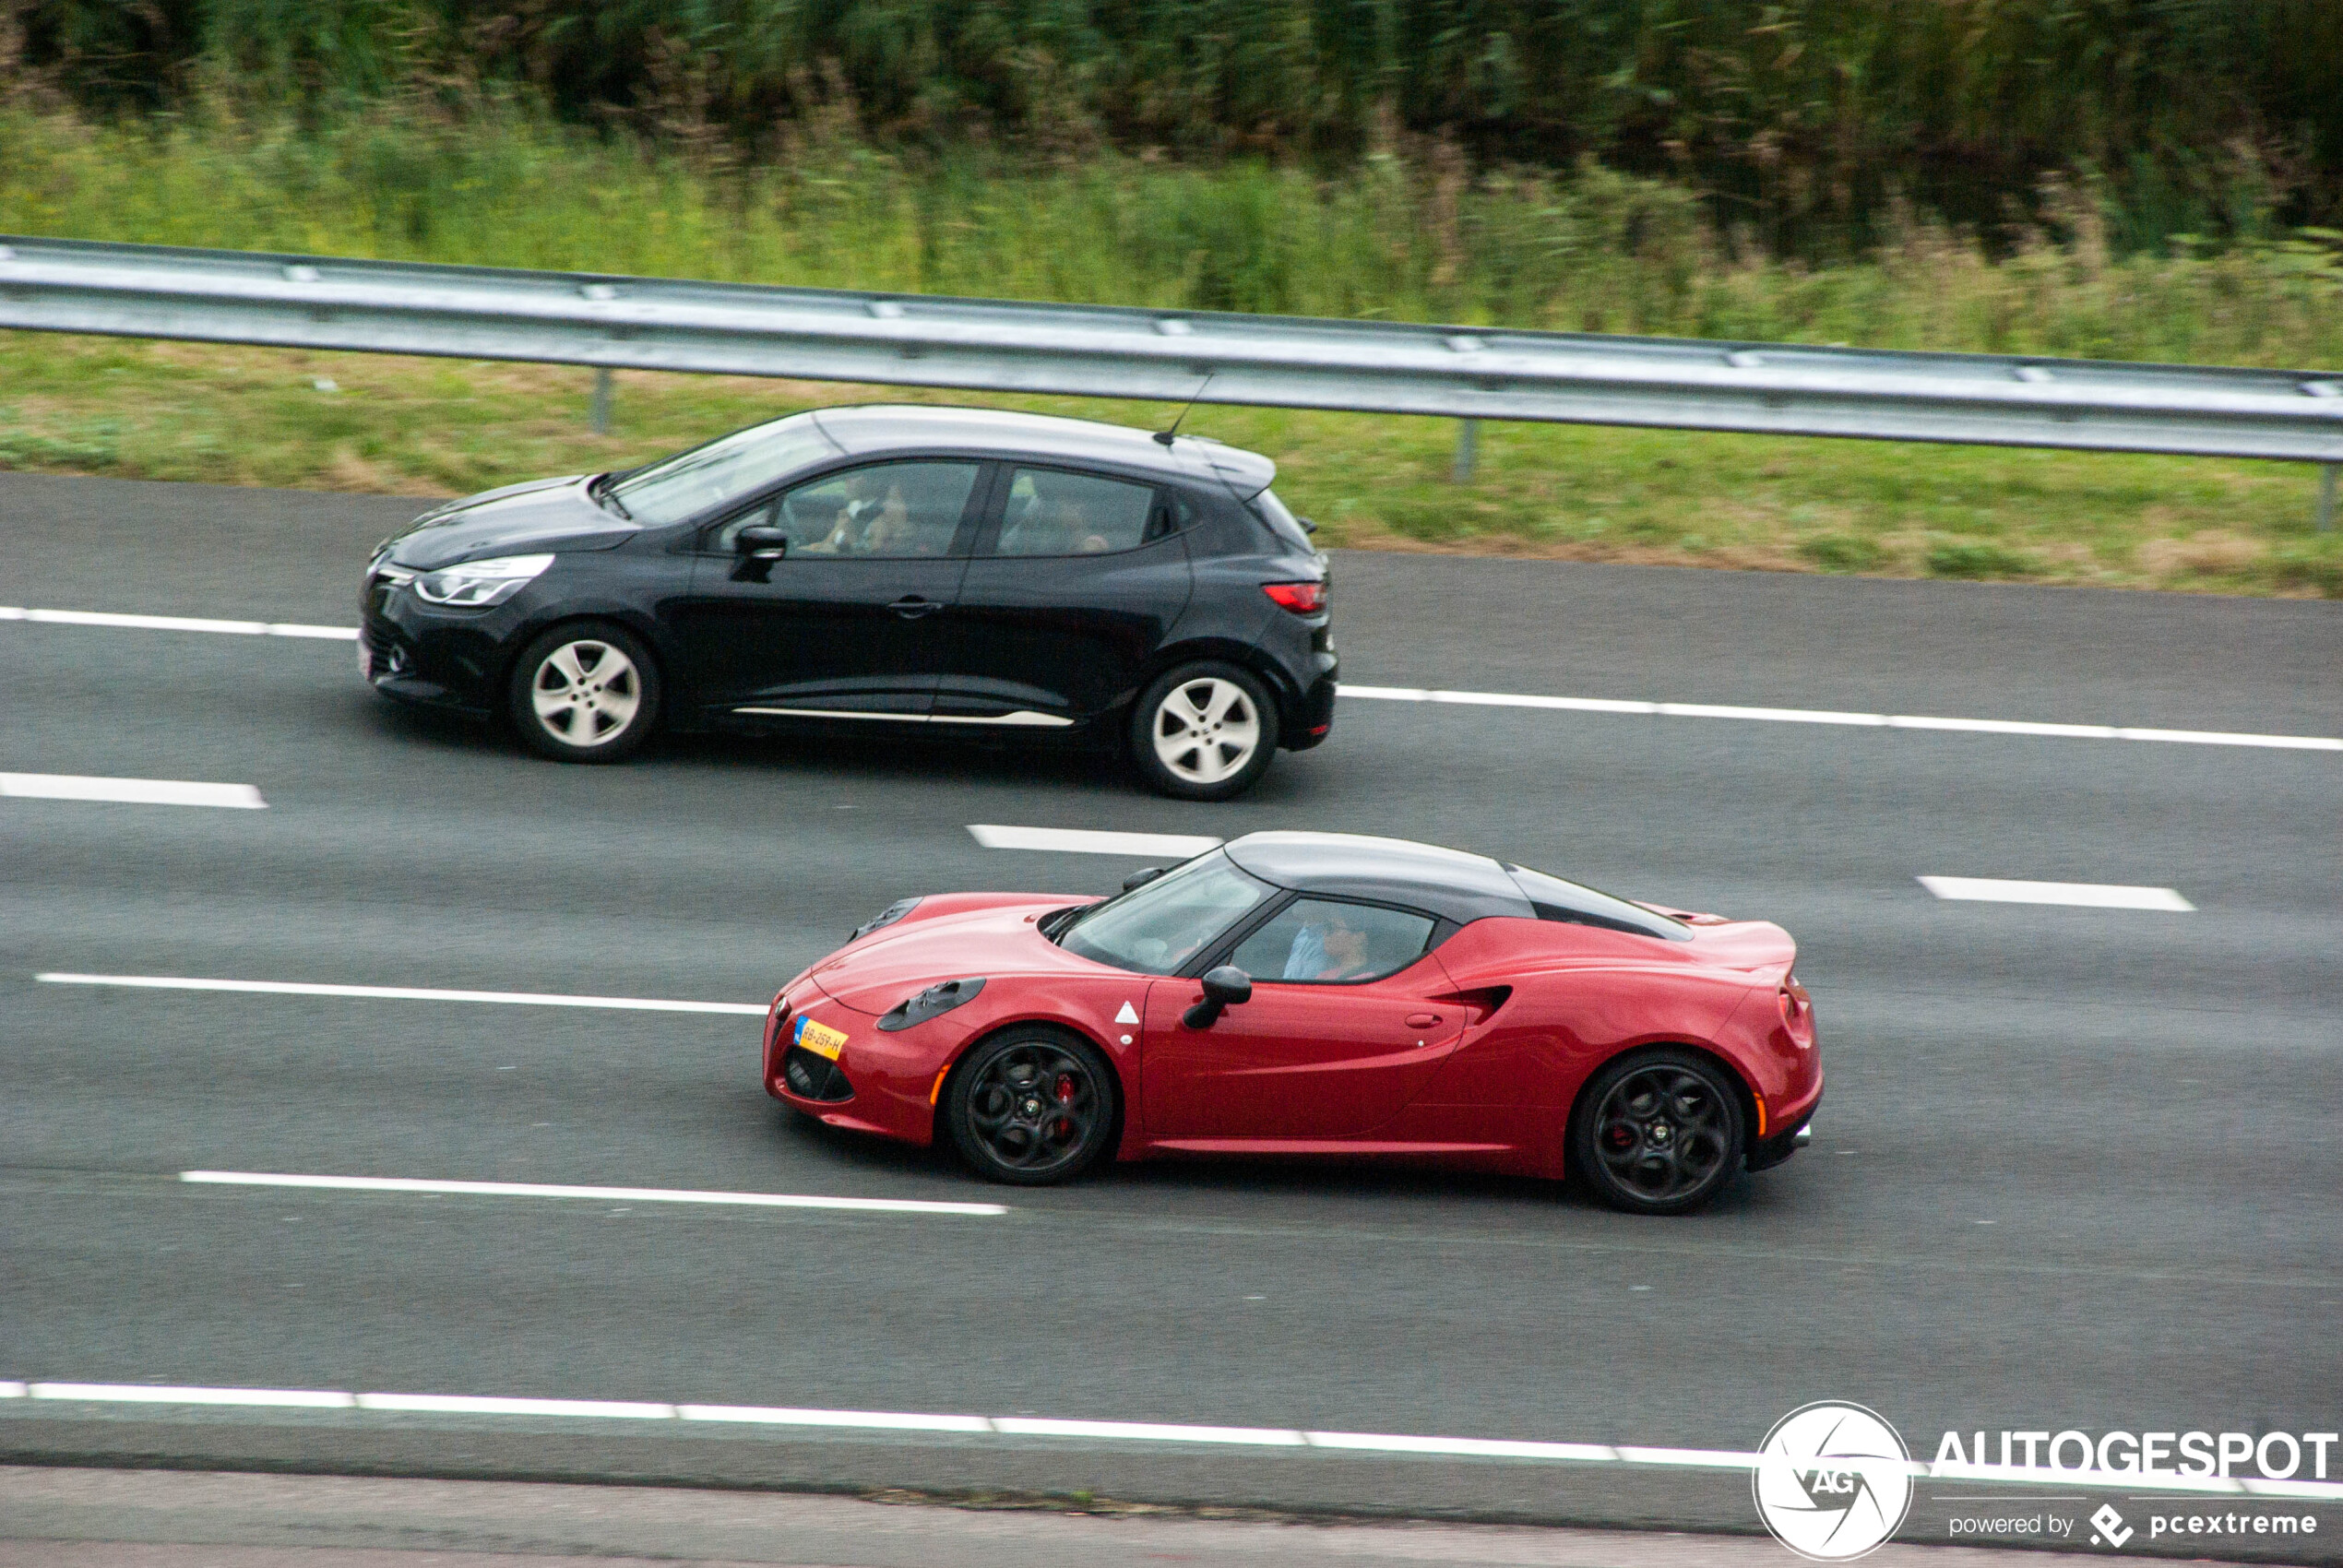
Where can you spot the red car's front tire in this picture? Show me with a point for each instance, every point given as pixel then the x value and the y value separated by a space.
pixel 1031 1106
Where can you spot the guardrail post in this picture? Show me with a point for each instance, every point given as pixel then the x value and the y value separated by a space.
pixel 602 402
pixel 1469 444
pixel 2327 495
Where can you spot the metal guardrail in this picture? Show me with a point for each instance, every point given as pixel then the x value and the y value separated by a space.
pixel 1169 355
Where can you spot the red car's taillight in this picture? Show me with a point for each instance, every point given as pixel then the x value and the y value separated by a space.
pixel 1302 599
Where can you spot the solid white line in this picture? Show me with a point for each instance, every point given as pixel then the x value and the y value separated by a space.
pixel 877 1420
pixel 1826 716
pixel 408 993
pixel 1089 841
pixel 144 1394
pixel 128 791
pixel 470 1405
pixel 2085 895
pixel 177 623
pixel 602 1195
pixel 1148 1431
pixel 1213 1436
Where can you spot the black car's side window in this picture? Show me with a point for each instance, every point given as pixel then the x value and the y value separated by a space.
pixel 1057 512
pixel 1326 941
pixel 885 510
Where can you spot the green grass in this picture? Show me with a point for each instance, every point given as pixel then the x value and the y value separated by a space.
pixel 1596 251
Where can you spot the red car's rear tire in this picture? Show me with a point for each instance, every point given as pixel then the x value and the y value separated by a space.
pixel 1031 1106
pixel 1658 1131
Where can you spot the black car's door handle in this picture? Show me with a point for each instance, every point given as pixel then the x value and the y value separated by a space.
pixel 912 607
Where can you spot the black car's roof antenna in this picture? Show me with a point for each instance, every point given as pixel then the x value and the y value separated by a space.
pixel 1164 437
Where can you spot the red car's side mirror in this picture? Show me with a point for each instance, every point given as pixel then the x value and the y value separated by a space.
pixel 1225 987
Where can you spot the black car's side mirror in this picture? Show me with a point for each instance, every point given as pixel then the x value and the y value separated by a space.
pixel 1141 878
pixel 1224 988
pixel 758 546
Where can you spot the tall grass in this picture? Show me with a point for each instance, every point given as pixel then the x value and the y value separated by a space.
pixel 1589 250
pixel 1804 121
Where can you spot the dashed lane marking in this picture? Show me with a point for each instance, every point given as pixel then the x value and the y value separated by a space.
pixel 598 1195
pixel 2080 895
pixel 406 993
pixel 130 791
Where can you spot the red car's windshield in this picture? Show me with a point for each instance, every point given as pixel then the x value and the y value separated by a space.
pixel 1155 928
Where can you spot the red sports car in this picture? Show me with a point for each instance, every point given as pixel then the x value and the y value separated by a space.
pixel 1315 993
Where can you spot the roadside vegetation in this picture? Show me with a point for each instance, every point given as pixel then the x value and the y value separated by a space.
pixel 2102 210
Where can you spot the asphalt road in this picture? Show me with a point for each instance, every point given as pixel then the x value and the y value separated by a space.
pixel 2076 1167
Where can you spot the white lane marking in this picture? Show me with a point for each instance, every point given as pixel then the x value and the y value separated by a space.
pixel 606 1195
pixel 1148 1431
pixel 1385 694
pixel 1089 841
pixel 130 791
pixel 1152 1432
pixel 2085 895
pixel 178 623
pixel 144 1394
pixel 408 994
pixel 1826 716
pixel 881 1421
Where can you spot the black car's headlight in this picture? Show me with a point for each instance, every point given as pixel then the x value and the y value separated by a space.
pixel 931 1002
pixel 887 916
pixel 475 585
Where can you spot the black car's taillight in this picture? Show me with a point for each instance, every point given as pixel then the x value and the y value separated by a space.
pixel 1302 599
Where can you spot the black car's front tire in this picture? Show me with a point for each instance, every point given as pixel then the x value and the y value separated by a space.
pixel 1032 1106
pixel 584 692
pixel 1204 731
pixel 1658 1131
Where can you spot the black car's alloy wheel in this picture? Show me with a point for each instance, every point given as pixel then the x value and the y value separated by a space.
pixel 1657 1133
pixel 587 692
pixel 1204 732
pixel 1031 1106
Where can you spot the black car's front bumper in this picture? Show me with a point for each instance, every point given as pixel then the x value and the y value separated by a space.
pixel 412 652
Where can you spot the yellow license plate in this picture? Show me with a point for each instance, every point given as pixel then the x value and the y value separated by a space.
pixel 820 1039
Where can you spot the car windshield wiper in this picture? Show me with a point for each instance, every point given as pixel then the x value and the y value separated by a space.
pixel 599 490
pixel 1057 922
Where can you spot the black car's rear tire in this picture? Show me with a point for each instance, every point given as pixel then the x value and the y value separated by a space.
pixel 1204 731
pixel 588 691
pixel 1032 1106
pixel 1658 1131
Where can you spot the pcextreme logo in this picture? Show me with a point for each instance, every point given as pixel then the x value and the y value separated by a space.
pixel 1833 1480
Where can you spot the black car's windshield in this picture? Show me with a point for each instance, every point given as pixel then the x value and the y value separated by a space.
pixel 1155 928
pixel 1556 899
pixel 731 466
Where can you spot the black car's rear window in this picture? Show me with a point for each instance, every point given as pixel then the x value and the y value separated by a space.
pixel 1272 511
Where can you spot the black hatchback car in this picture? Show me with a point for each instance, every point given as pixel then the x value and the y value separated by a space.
pixel 964 571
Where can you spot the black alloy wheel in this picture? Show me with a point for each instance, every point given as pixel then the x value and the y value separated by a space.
pixel 1204 731
pixel 1657 1133
pixel 587 691
pixel 1032 1106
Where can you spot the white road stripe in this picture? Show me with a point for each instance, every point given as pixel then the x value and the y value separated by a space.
pixel 1826 716
pixel 1390 694
pixel 600 1195
pixel 130 791
pixel 1089 841
pixel 178 623
pixel 1152 1432
pixel 2085 895
pixel 408 994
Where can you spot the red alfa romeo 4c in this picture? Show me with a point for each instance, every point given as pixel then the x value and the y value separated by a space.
pixel 1315 993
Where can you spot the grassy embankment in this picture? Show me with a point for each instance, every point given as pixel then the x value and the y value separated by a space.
pixel 1592 251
